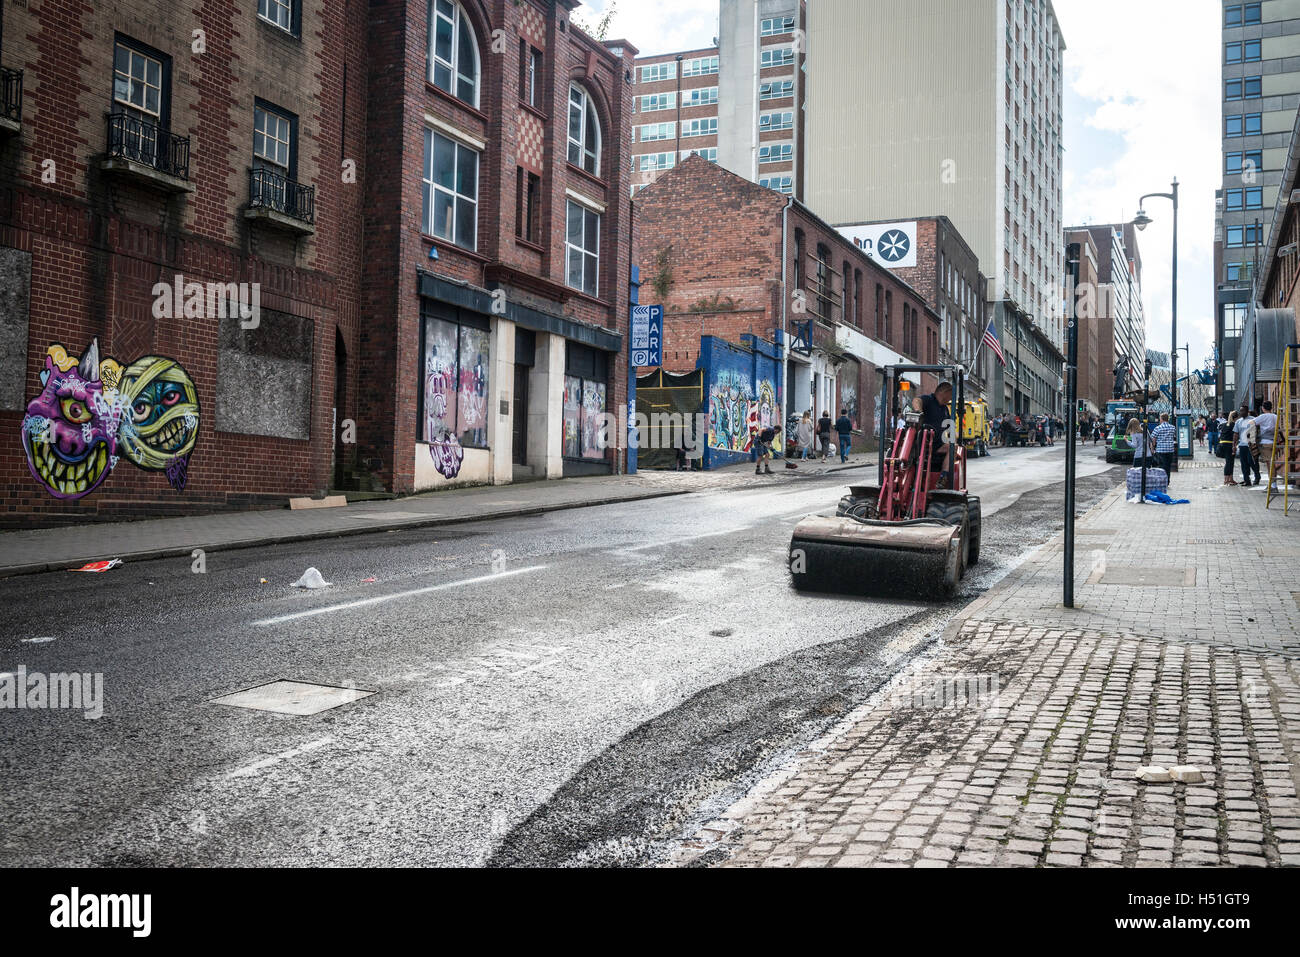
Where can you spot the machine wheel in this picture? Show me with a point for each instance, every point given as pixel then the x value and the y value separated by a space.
pixel 860 503
pixel 974 529
pixel 954 513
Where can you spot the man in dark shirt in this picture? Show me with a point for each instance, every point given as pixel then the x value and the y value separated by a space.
pixel 844 428
pixel 763 449
pixel 936 415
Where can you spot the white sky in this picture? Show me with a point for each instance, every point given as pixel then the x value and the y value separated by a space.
pixel 1142 106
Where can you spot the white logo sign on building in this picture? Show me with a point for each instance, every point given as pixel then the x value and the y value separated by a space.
pixel 893 245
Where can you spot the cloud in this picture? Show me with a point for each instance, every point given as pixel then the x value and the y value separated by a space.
pixel 664 26
pixel 1142 106
pixel 1144 84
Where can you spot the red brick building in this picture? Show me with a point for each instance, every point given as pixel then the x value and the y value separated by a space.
pixel 198 208
pixel 727 257
pixel 947 273
pixel 494 319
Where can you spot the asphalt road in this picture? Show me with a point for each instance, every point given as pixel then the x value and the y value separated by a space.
pixel 568 688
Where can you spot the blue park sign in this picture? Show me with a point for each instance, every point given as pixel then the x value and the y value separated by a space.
pixel 647 347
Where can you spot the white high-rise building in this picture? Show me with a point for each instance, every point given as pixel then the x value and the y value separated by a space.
pixel 935 107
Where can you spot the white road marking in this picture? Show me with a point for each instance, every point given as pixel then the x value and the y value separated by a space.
pixel 677 541
pixel 249 770
pixel 364 602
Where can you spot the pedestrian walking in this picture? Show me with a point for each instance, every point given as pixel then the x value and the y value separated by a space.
pixel 763 442
pixel 1200 431
pixel 804 436
pixel 824 425
pixel 844 428
pixel 1166 442
pixel 1247 434
pixel 1227 447
pixel 1138 441
pixel 1266 426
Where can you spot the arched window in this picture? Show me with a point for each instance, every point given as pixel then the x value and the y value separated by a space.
pixel 584 131
pixel 453 51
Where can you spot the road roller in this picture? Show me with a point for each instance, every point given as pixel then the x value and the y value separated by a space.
pixel 917 531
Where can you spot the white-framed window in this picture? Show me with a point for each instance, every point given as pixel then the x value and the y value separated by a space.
pixel 659 71
pixel 582 244
pixel 776 26
pixel 700 66
pixel 777 56
pixel 703 96
pixel 776 121
pixel 710 153
pixel 654 132
pixel 280 13
pixel 453 51
pixel 137 83
pixel 653 161
pixel 658 101
pixel 782 184
pixel 584 131
pixel 776 153
pixel 449 196
pixel 776 90
pixel 272 139
pixel 707 126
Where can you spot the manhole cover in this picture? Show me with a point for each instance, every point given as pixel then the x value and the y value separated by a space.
pixel 292 697
pixel 1145 576
pixel 1096 531
pixel 1275 551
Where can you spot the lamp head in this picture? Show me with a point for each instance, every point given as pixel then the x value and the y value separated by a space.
pixel 1142 220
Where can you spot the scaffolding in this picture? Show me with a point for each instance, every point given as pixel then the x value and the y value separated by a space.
pixel 1284 466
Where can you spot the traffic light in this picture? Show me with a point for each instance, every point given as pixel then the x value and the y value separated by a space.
pixel 1083 406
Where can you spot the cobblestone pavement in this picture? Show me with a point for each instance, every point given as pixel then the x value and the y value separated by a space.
pixel 1016 741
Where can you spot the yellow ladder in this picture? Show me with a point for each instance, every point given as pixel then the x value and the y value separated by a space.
pixel 1285 465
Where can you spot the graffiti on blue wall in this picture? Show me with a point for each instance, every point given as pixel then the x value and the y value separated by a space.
pixel 743 397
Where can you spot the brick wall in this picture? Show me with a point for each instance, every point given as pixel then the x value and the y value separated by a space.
pixel 99 243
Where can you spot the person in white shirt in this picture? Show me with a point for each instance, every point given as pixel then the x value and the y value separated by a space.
pixel 1246 431
pixel 1266 422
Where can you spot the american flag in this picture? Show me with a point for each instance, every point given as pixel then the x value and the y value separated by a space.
pixel 991 339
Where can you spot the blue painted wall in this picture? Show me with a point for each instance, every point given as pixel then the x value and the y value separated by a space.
pixel 742 389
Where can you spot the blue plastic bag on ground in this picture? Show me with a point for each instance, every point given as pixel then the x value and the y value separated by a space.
pixel 1162 498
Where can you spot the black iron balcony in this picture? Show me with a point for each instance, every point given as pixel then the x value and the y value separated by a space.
pixel 145 151
pixel 11 99
pixel 278 200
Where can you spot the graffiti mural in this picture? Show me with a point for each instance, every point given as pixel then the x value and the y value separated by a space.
pixel 475 346
pixel 849 398
pixel 91 412
pixel 729 401
pixel 447 454
pixel 736 413
pixel 160 426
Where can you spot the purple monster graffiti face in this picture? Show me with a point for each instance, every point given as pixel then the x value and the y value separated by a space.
pixel 70 432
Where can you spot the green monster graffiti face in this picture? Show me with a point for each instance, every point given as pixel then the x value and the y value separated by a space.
pixel 161 422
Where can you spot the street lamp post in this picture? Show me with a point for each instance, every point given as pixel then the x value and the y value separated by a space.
pixel 1142 221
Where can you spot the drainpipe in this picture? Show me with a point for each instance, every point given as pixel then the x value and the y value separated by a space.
pixel 785 304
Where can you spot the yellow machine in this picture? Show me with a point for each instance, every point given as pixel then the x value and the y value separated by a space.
pixel 975 432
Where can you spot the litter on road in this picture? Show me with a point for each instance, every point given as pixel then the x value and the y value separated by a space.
pixel 97 567
pixel 311 578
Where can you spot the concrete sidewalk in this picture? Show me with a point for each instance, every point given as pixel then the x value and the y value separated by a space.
pixel 51 549
pixel 1016 739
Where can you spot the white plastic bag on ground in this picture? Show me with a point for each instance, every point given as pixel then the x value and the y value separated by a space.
pixel 311 578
